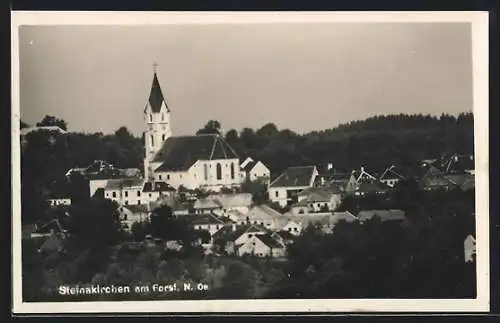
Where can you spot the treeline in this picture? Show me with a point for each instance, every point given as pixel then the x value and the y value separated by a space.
pixel 376 142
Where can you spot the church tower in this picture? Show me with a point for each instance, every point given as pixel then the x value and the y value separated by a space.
pixel 157 122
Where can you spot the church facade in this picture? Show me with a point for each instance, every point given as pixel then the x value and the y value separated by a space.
pixel 200 161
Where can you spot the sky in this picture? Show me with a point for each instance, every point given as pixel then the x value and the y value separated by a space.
pixel 303 77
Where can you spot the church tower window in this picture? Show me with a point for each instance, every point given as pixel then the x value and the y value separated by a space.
pixel 162 117
pixel 219 171
pixel 232 171
pixel 152 141
pixel 150 118
pixel 205 171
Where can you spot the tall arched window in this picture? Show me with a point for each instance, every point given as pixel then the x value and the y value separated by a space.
pixel 205 171
pixel 219 172
pixel 163 137
pixel 232 171
pixel 150 117
pixel 152 141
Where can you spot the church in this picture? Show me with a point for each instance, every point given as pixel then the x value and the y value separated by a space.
pixel 200 161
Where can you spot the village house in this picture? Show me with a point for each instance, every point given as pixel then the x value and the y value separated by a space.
pixel 252 170
pixel 207 205
pixel 357 178
pixel 434 178
pixel 391 177
pixel 208 222
pixel 325 222
pixel 237 216
pixel 382 215
pixel 267 217
pixel 134 191
pixel 262 245
pixel 293 226
pixel 202 161
pixel 231 239
pixel 284 188
pixel 317 200
pixel 129 214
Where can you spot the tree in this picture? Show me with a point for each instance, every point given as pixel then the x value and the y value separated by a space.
pixel 23 124
pixel 257 189
pixel 211 127
pixel 49 120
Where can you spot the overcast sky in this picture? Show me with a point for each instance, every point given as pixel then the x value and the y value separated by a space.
pixel 300 76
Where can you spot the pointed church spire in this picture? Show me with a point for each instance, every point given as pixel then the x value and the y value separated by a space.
pixel 156 96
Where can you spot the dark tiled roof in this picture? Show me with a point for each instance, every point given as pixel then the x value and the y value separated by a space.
pixel 180 153
pixel 115 184
pixel 157 187
pixel 269 241
pixel 156 96
pixel 204 219
pixel 294 176
pixel 391 173
pixel 248 167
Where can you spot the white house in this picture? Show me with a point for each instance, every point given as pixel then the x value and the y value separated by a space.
pixel 254 171
pixel 319 199
pixel 129 214
pixel 124 191
pixel 267 217
pixel 263 245
pixel 284 188
pixel 293 226
pixel 207 222
pixel 202 161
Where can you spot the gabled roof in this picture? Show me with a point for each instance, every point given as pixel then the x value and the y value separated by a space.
pixel 248 166
pixel 390 173
pixel 207 203
pixel 157 187
pixel 295 176
pixel 383 215
pixel 269 241
pixel 262 212
pixel 124 183
pixel 231 235
pixel 180 153
pixel 233 200
pixel 156 97
pixel 286 235
pixel 319 194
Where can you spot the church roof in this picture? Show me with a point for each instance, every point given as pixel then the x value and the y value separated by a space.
pixel 156 96
pixel 180 153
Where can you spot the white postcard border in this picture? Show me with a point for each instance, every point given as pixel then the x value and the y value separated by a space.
pixel 479 31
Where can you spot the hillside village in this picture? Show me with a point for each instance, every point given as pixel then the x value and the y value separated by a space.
pixel 239 205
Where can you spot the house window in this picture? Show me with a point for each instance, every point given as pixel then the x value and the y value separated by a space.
pixel 219 171
pixel 232 171
pixel 159 177
pixel 295 229
pixel 152 141
pixel 126 193
pixel 114 194
pixel 125 217
pixel 205 171
pixel 138 201
pixel 168 176
pixel 138 193
pixel 163 137
pixel 276 193
pixel 149 194
pixel 126 202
